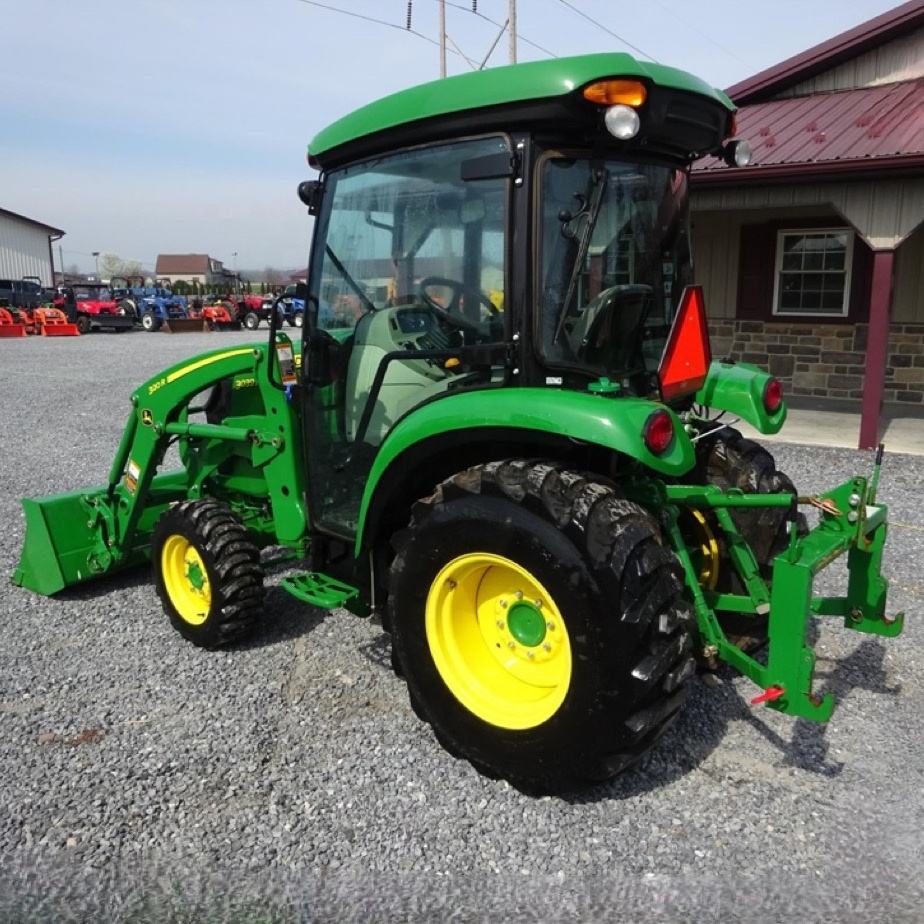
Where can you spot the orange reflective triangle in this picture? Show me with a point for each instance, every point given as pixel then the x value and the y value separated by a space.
pixel 688 353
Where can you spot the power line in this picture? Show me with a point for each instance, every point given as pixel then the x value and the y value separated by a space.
pixel 520 37
pixel 473 10
pixel 574 9
pixel 372 19
pixel 699 31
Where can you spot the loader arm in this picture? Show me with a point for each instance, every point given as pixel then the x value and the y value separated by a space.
pixel 250 459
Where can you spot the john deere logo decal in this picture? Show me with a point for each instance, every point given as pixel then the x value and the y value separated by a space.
pixel 147 417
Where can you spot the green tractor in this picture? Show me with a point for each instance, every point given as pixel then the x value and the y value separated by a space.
pixel 500 432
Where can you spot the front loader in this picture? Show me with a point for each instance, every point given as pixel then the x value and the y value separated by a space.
pixel 503 432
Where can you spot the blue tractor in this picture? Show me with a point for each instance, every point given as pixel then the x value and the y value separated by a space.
pixel 155 307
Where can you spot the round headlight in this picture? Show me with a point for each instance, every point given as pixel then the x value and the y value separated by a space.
pixel 738 153
pixel 622 122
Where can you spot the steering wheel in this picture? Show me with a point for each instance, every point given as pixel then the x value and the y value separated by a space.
pixel 453 311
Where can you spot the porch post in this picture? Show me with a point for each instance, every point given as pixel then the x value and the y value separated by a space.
pixel 877 348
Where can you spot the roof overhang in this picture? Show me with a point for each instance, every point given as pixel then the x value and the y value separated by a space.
pixel 848 169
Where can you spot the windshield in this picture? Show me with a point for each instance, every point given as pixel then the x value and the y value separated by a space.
pixel 87 294
pixel 615 258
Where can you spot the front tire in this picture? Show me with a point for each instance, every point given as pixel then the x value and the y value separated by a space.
pixel 207 572
pixel 251 321
pixel 539 624
pixel 83 324
pixel 150 321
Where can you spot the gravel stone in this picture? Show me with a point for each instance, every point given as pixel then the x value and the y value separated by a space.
pixel 287 779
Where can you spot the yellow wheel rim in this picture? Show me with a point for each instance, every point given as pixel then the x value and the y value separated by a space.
pixel 498 641
pixel 186 580
pixel 703 547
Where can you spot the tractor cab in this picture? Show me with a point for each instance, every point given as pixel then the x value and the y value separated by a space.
pixel 545 246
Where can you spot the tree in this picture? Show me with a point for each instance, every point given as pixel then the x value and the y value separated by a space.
pixel 273 276
pixel 111 264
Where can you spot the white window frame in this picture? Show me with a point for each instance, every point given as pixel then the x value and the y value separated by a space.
pixel 778 272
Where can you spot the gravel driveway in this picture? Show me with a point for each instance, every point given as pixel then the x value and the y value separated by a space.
pixel 288 780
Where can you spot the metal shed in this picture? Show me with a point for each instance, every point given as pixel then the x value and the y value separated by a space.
pixel 25 247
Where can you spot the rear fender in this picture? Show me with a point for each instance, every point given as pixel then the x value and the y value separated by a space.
pixel 613 423
pixel 739 389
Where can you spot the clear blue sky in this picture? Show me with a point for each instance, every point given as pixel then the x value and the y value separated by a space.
pixel 180 126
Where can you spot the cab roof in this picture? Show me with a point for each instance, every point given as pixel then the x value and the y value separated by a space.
pixel 492 99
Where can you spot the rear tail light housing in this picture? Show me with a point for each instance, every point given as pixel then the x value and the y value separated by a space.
pixel 773 396
pixel 658 432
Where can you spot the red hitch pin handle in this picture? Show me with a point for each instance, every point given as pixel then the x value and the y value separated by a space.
pixel 768 696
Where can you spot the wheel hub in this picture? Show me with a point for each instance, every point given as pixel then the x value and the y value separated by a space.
pixel 498 640
pixel 526 623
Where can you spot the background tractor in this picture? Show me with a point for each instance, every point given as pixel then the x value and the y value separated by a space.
pixel 154 306
pixel 502 433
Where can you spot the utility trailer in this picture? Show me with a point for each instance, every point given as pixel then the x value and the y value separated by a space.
pixel 502 432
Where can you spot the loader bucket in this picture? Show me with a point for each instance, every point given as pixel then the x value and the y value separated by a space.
pixel 185 326
pixel 63 545
pixel 58 543
pixel 9 327
pixel 12 329
pixel 53 323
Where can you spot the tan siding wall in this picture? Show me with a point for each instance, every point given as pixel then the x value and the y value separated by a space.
pixel 884 212
pixel 23 251
pixel 715 261
pixel 908 291
pixel 900 59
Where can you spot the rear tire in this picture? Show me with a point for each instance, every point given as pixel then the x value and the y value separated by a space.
pixel 207 573
pixel 539 624
pixel 727 459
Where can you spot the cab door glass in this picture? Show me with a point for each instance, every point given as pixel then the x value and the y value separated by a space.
pixel 408 269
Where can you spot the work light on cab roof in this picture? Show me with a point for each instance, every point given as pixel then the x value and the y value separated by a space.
pixel 623 97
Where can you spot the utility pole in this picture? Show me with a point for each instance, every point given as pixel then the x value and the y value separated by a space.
pixel 442 38
pixel 510 26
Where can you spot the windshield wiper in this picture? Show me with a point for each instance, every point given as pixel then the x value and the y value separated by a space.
pixel 599 178
pixel 350 281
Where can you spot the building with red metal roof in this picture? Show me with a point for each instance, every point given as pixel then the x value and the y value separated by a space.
pixel 812 257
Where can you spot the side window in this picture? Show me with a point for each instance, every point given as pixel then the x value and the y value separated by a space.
pixel 409 222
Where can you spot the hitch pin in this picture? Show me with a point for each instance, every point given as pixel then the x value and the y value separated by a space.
pixel 768 696
pixel 823 503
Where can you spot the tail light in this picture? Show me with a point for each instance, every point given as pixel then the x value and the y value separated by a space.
pixel 658 433
pixel 773 396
